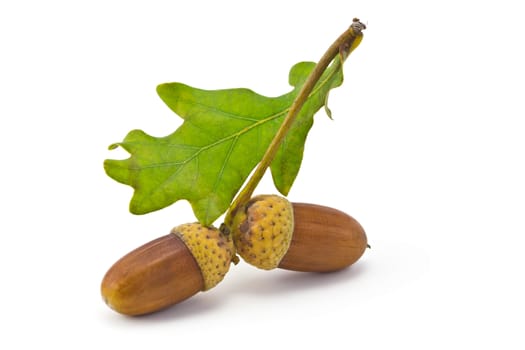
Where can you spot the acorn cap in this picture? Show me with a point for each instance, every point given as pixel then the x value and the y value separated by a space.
pixel 262 230
pixel 212 250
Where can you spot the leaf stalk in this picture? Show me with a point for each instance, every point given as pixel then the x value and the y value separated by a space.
pixel 342 46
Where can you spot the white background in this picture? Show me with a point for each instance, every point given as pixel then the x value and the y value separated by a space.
pixel 426 150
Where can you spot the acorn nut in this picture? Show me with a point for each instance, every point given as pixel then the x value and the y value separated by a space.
pixel 271 232
pixel 168 270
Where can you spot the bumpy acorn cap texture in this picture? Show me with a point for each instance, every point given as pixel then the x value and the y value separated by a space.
pixel 263 229
pixel 212 250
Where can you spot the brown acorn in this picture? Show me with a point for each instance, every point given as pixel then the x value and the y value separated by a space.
pixel 168 270
pixel 324 239
pixel 271 232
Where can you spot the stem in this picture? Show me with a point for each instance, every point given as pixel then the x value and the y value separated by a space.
pixel 343 46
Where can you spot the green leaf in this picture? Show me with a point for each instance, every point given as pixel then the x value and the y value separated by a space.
pixel 224 135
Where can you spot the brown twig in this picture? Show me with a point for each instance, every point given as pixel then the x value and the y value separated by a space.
pixel 343 45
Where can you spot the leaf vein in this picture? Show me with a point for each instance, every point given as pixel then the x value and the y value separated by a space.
pixel 218 111
pixel 211 145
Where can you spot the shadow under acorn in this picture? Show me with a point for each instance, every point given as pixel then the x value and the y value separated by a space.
pixel 257 283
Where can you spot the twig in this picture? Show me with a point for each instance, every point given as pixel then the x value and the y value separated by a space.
pixel 343 45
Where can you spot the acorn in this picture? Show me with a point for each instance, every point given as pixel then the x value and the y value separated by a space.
pixel 168 270
pixel 270 232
